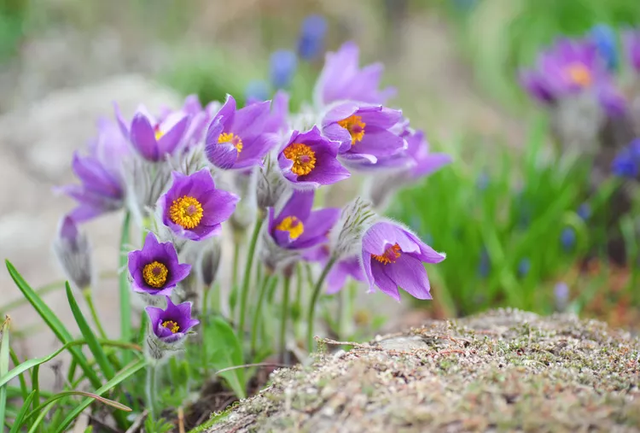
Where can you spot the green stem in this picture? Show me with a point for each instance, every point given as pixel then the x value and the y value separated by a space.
pixel 269 281
pixel 236 260
pixel 314 301
pixel 94 314
pixel 203 330
pixel 151 389
pixel 283 323
pixel 35 385
pixel 125 295
pixel 244 295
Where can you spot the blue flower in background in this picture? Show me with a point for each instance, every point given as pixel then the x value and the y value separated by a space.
pixel 626 162
pixel 283 68
pixel 568 238
pixel 484 267
pixel 561 293
pixel 482 182
pixel 312 33
pixel 584 211
pixel 605 39
pixel 464 5
pixel 257 90
pixel 523 267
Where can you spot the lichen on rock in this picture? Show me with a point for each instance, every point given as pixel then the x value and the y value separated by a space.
pixel 505 370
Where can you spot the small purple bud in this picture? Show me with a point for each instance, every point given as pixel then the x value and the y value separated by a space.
pixel 73 251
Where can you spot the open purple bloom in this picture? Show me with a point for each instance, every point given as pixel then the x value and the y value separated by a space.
pixel 199 118
pixel 193 208
pixel 309 159
pixel 173 323
pixel 365 132
pixel 632 47
pixel 392 258
pixel 102 185
pixel 277 122
pixel 297 227
pixel 348 267
pixel 342 79
pixel 155 268
pixel 152 138
pixel 237 139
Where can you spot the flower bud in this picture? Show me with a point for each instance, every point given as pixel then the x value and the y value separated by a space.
pixel 356 217
pixel 270 184
pixel 73 251
pixel 210 262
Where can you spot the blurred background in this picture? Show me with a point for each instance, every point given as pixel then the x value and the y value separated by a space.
pixel 521 216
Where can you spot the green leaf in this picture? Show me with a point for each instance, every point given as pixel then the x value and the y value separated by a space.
pixel 91 395
pixel 40 418
pixel 124 289
pixel 4 365
pixel 127 372
pixel 89 336
pixel 17 423
pixel 227 353
pixel 23 383
pixel 54 323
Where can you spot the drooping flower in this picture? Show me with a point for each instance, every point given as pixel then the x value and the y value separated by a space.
pixel 297 227
pixel 312 33
pixel 173 323
pixel 393 257
pixel 632 47
pixel 152 138
pixel 193 208
pixel 282 68
pixel 627 161
pixel 73 251
pixel 364 132
pixel 155 269
pixel 337 277
pixel 308 159
pixel 604 37
pixel 342 79
pixel 236 139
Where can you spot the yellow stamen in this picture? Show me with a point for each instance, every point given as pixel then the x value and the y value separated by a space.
pixel 229 137
pixel 355 126
pixel 171 325
pixel 157 132
pixel 390 255
pixel 155 274
pixel 186 211
pixel 579 74
pixel 303 157
pixel 292 225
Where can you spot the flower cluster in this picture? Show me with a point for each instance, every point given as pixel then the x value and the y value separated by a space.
pixel 188 172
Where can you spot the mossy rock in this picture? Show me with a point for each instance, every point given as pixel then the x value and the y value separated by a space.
pixel 505 370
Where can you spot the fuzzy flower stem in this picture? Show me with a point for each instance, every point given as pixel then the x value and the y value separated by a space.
pixel 244 295
pixel 236 259
pixel 203 335
pixel 314 300
pixel 283 321
pixel 151 389
pixel 270 281
pixel 86 292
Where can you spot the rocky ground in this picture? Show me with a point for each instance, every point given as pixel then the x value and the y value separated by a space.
pixel 500 371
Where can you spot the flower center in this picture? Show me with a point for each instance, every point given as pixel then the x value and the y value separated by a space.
pixel 157 132
pixel 155 274
pixel 390 255
pixel 186 211
pixel 355 126
pixel 292 225
pixel 579 74
pixel 171 325
pixel 303 157
pixel 231 138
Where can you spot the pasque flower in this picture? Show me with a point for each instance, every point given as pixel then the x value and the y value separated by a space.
pixel 155 269
pixel 73 251
pixel 309 159
pixel 364 132
pixel 173 323
pixel 342 79
pixel 193 208
pixel 100 172
pixel 392 258
pixel 153 138
pixel 236 139
pixel 298 227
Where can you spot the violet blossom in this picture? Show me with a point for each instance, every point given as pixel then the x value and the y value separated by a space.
pixel 173 323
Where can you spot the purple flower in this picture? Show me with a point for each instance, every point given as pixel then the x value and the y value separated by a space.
pixel 73 251
pixel 364 132
pixel 193 208
pixel 312 33
pixel 283 68
pixel 309 159
pixel 172 324
pixel 277 121
pixel 342 79
pixel 155 268
pixel 627 161
pixel 392 258
pixel 200 118
pixel 236 139
pixel 348 267
pixel 102 185
pixel 297 227
pixel 604 37
pixel 152 138
pixel 632 46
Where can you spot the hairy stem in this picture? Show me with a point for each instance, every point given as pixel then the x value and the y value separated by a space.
pixel 314 301
pixel 244 295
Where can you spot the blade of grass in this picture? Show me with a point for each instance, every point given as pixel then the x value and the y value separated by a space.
pixel 125 296
pixel 90 337
pixel 64 394
pixel 40 418
pixel 4 365
pixel 35 385
pixel 117 379
pixel 17 423
pixel 23 383
pixel 54 323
